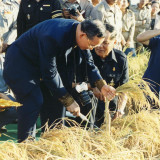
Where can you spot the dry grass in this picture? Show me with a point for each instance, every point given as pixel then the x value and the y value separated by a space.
pixel 133 137
pixel 137 65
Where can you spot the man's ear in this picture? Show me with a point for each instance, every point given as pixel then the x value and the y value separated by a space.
pixel 82 34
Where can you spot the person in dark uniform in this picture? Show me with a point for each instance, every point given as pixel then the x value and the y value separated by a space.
pixel 113 67
pixel 32 12
pixel 151 39
pixel 77 72
pixel 34 58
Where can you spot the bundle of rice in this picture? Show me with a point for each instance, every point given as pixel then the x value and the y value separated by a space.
pixel 8 103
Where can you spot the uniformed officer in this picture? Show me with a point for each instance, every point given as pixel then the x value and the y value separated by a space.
pixel 36 52
pixel 155 9
pixel 108 12
pixel 142 18
pixel 84 8
pixel 113 67
pixel 32 12
pixel 8 26
pixel 151 39
pixel 128 27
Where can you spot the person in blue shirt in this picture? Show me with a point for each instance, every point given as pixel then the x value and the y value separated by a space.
pixel 113 67
pixel 151 39
pixel 32 58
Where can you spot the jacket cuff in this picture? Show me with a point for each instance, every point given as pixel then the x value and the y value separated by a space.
pixel 66 100
pixel 100 83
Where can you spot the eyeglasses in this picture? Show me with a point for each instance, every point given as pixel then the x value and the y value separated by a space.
pixel 89 44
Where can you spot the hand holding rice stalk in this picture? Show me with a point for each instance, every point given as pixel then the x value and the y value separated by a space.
pixel 136 90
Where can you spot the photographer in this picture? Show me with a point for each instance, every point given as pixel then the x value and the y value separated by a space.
pixel 76 9
pixel 78 72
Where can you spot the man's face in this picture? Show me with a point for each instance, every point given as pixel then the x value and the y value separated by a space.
pixel 155 8
pixel 111 2
pixel 105 48
pixel 125 4
pixel 143 2
pixel 85 43
pixel 119 2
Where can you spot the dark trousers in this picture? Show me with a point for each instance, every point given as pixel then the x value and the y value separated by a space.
pixel 38 101
pixel 51 111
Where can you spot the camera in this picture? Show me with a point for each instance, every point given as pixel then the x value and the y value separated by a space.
pixel 73 9
pixel 80 92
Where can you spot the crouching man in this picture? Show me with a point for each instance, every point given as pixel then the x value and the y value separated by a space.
pixel 113 67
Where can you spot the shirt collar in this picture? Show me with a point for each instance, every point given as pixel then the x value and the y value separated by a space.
pixel 111 56
pixel 107 7
pixel 74 43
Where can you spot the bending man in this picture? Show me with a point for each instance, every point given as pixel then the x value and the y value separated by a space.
pixel 33 57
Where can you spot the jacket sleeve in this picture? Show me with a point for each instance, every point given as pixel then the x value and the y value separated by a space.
pixel 48 50
pixel 132 29
pixel 92 70
pixel 56 9
pixel 125 75
pixel 12 33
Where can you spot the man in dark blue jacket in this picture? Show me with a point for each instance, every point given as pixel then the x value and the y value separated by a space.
pixel 33 57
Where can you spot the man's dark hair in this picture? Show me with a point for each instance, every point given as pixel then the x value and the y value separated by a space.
pixel 153 2
pixel 111 29
pixel 93 28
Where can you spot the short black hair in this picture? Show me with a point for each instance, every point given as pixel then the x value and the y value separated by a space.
pixel 153 2
pixel 93 28
pixel 111 29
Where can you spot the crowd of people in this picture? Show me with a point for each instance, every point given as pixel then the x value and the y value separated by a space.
pixel 58 54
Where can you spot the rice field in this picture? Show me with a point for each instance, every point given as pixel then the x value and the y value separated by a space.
pixel 135 136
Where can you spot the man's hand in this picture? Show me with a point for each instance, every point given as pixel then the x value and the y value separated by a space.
pixel 122 100
pixel 79 17
pixel 117 115
pixel 128 43
pixel 108 92
pixel 74 109
pixel 66 13
pixel 4 47
pixel 98 94
pixel 144 22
